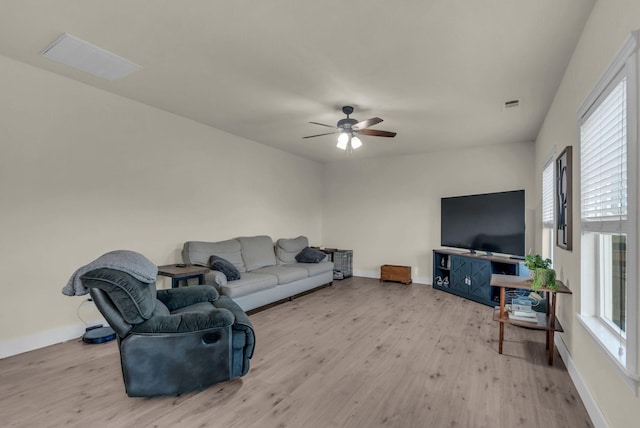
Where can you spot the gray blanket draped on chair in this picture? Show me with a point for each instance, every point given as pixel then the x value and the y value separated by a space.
pixel 135 264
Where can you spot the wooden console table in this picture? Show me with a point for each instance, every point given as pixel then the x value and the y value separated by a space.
pixel 546 321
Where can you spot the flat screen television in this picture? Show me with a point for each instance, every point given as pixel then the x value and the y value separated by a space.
pixel 490 222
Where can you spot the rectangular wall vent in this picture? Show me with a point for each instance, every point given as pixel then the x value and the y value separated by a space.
pixel 84 56
pixel 511 104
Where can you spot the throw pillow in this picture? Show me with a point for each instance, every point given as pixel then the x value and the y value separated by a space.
pixel 310 255
pixel 224 266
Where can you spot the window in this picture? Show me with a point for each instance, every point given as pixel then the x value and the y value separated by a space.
pixel 608 184
pixel 547 210
pixel 603 154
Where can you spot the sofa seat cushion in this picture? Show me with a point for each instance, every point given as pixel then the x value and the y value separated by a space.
pixel 199 253
pixel 313 269
pixel 257 252
pixel 285 274
pixel 248 283
pixel 288 249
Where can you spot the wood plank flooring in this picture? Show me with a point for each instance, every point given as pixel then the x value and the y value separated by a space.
pixel 358 354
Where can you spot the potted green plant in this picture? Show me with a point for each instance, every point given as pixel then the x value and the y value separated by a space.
pixel 541 272
pixel 544 277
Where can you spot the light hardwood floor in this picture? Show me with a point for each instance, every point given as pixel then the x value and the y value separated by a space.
pixel 358 354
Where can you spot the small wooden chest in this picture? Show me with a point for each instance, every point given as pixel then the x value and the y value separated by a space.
pixel 395 273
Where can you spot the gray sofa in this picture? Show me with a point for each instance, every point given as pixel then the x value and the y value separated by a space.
pixel 268 272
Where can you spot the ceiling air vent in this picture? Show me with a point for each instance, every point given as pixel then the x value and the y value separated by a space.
pixel 511 104
pixel 84 56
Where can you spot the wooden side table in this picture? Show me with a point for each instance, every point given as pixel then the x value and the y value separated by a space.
pixel 546 322
pixel 179 273
pixel 328 251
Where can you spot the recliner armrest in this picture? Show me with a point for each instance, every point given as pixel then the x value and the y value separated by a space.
pixel 176 298
pixel 225 302
pixel 242 321
pixel 186 322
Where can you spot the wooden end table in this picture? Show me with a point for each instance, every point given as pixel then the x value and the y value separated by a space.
pixel 178 272
pixel 546 322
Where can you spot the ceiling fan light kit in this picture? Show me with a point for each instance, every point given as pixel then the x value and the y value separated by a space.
pixel 348 126
pixel 343 140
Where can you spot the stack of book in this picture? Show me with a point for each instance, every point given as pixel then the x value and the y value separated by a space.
pixel 526 316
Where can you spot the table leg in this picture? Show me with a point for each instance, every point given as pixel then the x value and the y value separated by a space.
pixel 552 326
pixel 546 296
pixel 174 282
pixel 201 279
pixel 500 321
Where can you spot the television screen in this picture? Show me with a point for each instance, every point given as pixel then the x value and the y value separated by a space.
pixel 491 222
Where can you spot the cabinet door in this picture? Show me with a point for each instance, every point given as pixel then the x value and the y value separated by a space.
pixel 460 273
pixel 480 279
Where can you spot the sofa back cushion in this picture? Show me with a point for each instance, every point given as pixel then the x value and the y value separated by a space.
pixel 199 253
pixel 136 300
pixel 287 249
pixel 257 251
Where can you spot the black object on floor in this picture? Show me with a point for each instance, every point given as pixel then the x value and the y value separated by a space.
pixel 98 334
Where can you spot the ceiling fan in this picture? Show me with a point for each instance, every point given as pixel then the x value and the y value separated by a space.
pixel 348 127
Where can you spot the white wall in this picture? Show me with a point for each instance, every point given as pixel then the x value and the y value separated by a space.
pixel 388 210
pixel 83 172
pixel 608 26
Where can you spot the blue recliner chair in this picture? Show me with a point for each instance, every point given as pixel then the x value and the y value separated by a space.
pixel 171 341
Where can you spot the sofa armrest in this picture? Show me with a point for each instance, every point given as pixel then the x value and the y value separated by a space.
pixel 176 298
pixel 186 322
pixel 215 277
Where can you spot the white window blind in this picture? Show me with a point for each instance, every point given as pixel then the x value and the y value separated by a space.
pixel 547 195
pixel 603 152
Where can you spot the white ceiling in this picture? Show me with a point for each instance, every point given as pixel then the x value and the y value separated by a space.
pixel 437 71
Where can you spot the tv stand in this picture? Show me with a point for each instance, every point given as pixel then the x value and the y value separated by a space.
pixel 468 275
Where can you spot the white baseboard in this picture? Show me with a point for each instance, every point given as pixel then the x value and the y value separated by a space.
pixel 366 274
pixel 597 417
pixel 19 345
pixel 376 275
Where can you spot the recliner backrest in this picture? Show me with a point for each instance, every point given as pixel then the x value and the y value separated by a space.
pixel 110 312
pixel 135 300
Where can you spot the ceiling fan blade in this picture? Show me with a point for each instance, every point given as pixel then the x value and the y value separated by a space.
pixel 366 123
pixel 376 133
pixel 320 135
pixel 322 124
